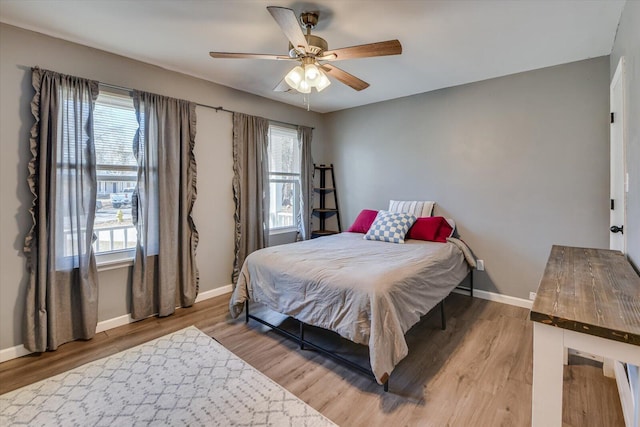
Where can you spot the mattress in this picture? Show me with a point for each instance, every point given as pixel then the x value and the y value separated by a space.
pixel 369 292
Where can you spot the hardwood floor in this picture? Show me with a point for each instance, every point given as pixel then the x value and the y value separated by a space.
pixel 475 373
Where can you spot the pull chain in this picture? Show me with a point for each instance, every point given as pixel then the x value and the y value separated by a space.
pixel 306 101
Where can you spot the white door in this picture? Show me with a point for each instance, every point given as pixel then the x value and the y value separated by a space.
pixel 617 239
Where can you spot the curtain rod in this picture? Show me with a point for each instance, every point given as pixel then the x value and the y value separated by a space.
pixel 219 108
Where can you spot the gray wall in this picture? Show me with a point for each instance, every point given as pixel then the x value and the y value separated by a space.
pixel 213 211
pixel 627 44
pixel 520 162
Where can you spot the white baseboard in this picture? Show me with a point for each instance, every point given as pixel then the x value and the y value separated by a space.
pixel 13 353
pixel 113 323
pixel 214 293
pixel 504 299
pixel 20 350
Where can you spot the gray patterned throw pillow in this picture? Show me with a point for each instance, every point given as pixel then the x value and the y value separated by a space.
pixel 390 227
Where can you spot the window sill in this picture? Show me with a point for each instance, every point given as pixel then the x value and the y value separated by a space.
pixel 116 260
pixel 275 231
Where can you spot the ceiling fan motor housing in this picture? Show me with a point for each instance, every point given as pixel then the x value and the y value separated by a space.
pixel 317 45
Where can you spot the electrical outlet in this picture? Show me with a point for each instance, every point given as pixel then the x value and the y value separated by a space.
pixel 480 264
pixel 532 296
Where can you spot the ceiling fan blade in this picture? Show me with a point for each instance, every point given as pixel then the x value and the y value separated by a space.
pixel 389 47
pixel 286 19
pixel 247 56
pixel 282 86
pixel 344 77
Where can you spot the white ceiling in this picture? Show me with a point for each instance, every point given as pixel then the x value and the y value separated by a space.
pixel 445 42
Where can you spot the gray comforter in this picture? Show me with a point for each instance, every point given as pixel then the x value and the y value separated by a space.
pixel 368 292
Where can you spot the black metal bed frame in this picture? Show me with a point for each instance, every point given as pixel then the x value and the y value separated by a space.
pixel 302 342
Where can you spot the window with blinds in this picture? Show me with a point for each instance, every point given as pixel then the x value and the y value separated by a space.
pixel 284 177
pixel 114 126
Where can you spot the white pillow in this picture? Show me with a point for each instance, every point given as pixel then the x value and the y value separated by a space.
pixel 415 208
pixel 390 227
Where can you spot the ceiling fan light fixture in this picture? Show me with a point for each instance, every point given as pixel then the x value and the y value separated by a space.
pixel 323 82
pixel 304 87
pixel 311 74
pixel 305 77
pixel 295 77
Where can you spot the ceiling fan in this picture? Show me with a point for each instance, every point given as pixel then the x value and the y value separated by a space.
pixel 313 54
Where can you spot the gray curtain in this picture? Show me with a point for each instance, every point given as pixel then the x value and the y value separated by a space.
pixel 306 182
pixel 250 187
pixel 62 293
pixel 165 274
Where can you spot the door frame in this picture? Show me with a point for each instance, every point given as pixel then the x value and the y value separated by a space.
pixel 620 77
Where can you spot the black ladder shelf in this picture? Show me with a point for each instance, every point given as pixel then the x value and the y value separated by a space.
pixel 324 211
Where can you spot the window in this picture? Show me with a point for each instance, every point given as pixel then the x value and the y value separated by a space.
pixel 115 126
pixel 284 177
pixel 70 148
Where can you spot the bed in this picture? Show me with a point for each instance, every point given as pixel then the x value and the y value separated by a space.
pixel 369 292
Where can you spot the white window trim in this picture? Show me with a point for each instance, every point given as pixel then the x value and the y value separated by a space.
pixel 292 228
pixel 288 228
pixel 282 230
pixel 120 258
pixel 115 259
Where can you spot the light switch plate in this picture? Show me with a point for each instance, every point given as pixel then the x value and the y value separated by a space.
pixel 480 264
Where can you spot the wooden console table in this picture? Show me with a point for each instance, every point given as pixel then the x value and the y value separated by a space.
pixel 588 300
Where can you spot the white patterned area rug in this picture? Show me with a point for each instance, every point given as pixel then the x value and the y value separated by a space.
pixel 185 378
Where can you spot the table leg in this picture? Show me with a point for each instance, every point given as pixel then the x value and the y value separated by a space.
pixel 548 357
pixel 607 368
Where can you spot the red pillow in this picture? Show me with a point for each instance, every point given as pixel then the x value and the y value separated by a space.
pixel 430 228
pixel 444 231
pixel 425 228
pixel 363 222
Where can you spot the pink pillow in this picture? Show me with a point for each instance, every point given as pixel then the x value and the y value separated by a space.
pixel 432 228
pixel 363 222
